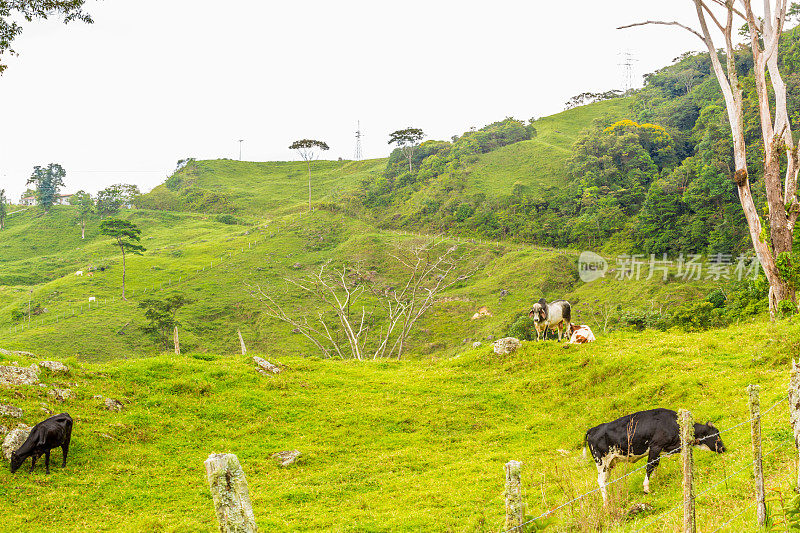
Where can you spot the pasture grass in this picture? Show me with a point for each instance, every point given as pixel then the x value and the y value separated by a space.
pixel 415 445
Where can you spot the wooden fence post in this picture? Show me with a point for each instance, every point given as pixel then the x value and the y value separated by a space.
pixel 758 469
pixel 794 406
pixel 241 341
pixel 515 514
pixel 230 493
pixel 177 342
pixel 686 424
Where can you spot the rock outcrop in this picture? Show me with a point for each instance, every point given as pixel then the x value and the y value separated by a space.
pixel 54 366
pixel 61 395
pixel 10 410
pixel 286 458
pixel 13 376
pixel 265 367
pixel 15 439
pixel 506 345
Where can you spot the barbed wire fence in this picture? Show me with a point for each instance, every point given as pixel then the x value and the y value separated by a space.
pixel 516 523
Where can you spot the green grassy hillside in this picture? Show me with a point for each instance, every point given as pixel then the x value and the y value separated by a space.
pixel 217 266
pixel 539 162
pixel 408 446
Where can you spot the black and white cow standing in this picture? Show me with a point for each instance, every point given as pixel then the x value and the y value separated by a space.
pixel 557 313
pixel 646 433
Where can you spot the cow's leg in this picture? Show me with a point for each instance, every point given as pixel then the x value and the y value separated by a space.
pixel 602 480
pixel 560 325
pixel 33 461
pixel 653 458
pixel 47 462
pixel 65 448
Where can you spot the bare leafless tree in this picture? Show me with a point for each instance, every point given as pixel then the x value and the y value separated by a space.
pixel 386 313
pixel 764 32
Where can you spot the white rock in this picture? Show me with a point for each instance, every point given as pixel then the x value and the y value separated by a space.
pixel 265 366
pixel 506 345
pixel 286 458
pixel 61 395
pixel 10 410
pixel 477 344
pixel 113 405
pixel 19 375
pixel 54 366
pixel 15 439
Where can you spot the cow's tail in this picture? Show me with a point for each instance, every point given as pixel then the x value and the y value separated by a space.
pixel 585 438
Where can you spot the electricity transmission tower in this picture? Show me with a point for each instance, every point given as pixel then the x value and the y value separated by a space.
pixel 240 148
pixel 627 69
pixel 359 134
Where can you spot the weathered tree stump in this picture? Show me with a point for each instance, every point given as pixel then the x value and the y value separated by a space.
pixel 515 513
pixel 686 423
pixel 794 407
pixel 758 467
pixel 241 341
pixel 230 494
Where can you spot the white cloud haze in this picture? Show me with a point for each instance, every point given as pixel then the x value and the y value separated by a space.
pixel 152 81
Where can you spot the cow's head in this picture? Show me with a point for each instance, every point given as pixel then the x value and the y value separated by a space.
pixel 707 437
pixel 16 461
pixel 539 311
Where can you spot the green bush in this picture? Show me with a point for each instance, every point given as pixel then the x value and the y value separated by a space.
pixel 226 218
pixel 522 328
pixel 717 298
pixel 786 308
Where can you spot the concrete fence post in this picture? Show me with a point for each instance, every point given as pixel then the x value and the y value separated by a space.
pixel 230 494
pixel 515 513
pixel 177 342
pixel 241 341
pixel 758 467
pixel 794 406
pixel 686 424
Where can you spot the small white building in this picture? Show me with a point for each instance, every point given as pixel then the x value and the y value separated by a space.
pixel 63 199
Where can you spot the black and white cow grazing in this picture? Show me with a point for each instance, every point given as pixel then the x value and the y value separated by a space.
pixel 48 434
pixel 643 434
pixel 557 313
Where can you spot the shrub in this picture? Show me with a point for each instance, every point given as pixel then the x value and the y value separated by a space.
pixel 522 328
pixel 717 298
pixel 226 218
pixel 786 308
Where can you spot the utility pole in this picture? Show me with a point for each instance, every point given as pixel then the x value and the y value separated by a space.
pixel 240 149
pixel 358 142
pixel 627 64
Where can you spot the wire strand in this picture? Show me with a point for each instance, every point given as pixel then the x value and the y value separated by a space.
pixel 551 511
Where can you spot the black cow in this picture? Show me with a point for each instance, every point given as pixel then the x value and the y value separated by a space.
pixel 48 434
pixel 646 433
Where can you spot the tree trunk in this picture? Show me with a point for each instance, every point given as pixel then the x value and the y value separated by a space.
pixel 123 272
pixel 309 185
pixel 83 229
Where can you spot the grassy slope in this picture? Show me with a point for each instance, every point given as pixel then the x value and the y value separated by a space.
pixel 278 187
pixel 416 445
pixel 293 247
pixel 539 162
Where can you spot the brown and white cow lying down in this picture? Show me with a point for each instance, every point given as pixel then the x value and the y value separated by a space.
pixel 581 334
pixel 643 434
pixel 48 434
pixel 556 314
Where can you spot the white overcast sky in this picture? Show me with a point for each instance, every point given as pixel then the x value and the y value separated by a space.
pixel 152 81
